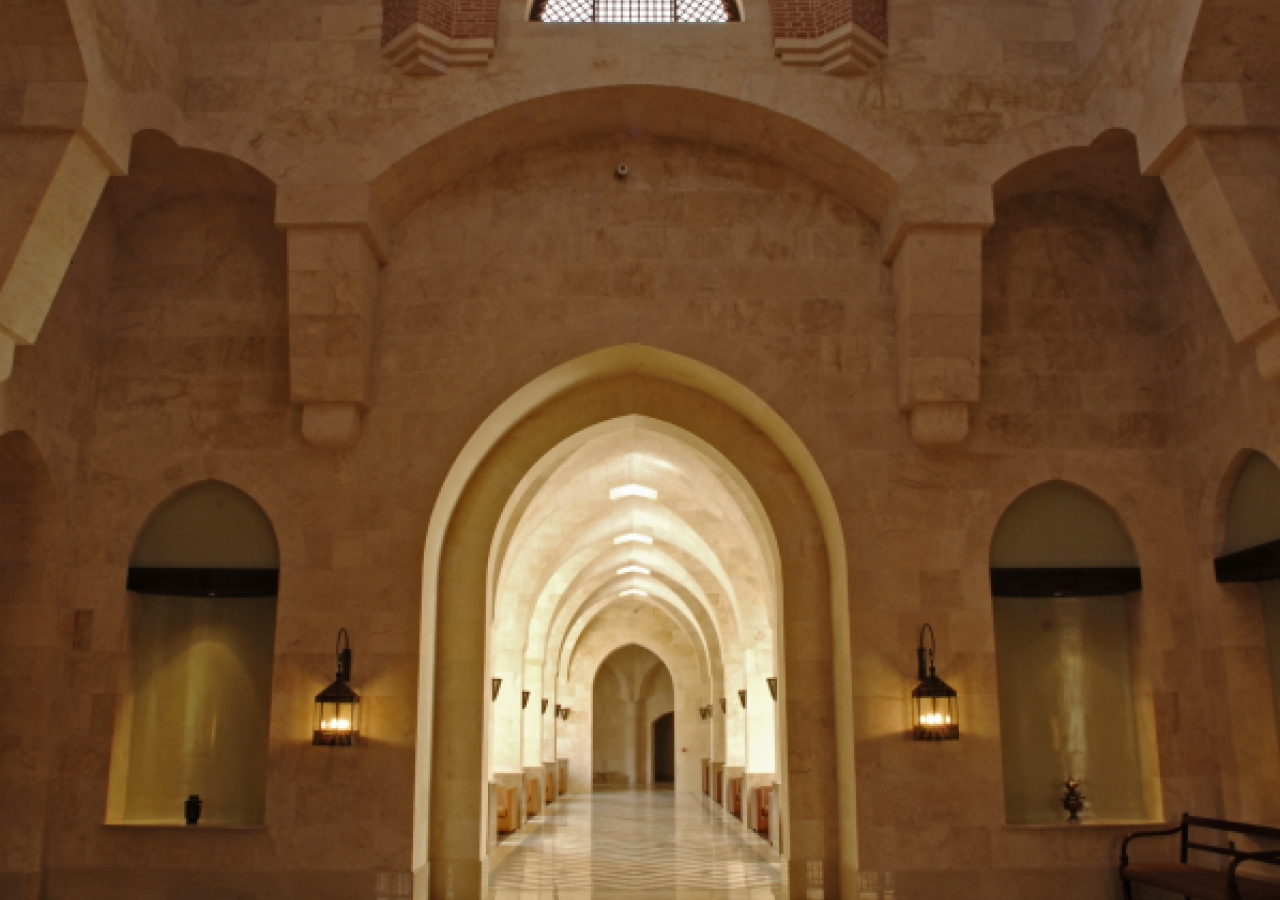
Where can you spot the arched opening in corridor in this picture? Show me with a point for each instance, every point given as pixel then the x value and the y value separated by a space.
pixel 633 691
pixel 624 514
pixel 664 749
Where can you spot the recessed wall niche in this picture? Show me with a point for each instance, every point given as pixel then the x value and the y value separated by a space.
pixel 1064 581
pixel 1252 538
pixel 202 589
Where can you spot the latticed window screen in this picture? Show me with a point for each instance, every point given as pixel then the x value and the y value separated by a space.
pixel 635 11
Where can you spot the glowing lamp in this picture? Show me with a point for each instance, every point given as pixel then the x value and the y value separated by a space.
pixel 337 722
pixel 935 707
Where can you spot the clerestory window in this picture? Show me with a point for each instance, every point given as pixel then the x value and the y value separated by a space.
pixel 635 11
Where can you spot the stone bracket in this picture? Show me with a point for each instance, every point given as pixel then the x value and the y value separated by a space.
pixel 419 50
pixel 937 280
pixel 847 50
pixel 337 242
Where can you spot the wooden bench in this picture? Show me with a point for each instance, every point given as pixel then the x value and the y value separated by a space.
pixel 1201 882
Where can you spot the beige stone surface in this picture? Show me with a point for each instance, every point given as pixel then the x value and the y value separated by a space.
pixel 312 244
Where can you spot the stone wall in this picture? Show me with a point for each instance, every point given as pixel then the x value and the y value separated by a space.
pixel 729 260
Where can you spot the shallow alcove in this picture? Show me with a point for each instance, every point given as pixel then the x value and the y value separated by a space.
pixel 202 582
pixel 1252 546
pixel 1063 574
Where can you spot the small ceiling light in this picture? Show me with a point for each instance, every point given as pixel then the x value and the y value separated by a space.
pixel 524 699
pixel 742 695
pixel 935 708
pixel 633 490
pixel 773 687
pixel 337 721
pixel 634 592
pixel 633 538
pixel 497 686
pixel 634 570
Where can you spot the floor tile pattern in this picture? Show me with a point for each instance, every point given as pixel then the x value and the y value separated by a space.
pixel 636 842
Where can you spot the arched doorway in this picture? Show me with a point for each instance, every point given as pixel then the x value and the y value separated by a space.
pixel 664 749
pixel 493 492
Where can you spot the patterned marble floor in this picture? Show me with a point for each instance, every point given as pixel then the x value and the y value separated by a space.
pixel 619 843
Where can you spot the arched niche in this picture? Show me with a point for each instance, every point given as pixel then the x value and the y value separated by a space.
pixel 202 583
pixel 1064 577
pixel 33 655
pixel 1251 551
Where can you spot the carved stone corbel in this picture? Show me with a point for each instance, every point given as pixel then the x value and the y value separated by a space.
pixel 337 240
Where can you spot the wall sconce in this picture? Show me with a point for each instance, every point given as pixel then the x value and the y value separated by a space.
pixel 935 712
pixel 497 686
pixel 723 708
pixel 564 713
pixel 337 721
pixel 742 695
pixel 773 688
pixel 524 699
pixel 544 705
pixel 704 712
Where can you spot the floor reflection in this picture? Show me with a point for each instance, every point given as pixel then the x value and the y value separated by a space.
pixel 635 842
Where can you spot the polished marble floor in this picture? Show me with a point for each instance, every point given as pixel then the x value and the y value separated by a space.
pixel 614 843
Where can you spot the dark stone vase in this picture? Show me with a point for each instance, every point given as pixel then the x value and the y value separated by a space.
pixel 191 808
pixel 1072 800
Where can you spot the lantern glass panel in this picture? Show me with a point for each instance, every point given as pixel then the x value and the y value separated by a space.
pixel 337 719
pixel 935 711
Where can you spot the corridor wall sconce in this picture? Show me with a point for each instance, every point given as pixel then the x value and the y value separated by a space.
pixel 723 707
pixel 773 688
pixel 704 712
pixel 742 695
pixel 524 699
pixel 564 713
pixel 497 686
pixel 557 712
pixel 545 701
pixel 935 707
pixel 337 722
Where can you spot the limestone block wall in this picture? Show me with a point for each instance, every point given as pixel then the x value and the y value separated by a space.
pixel 1224 408
pixel 1104 363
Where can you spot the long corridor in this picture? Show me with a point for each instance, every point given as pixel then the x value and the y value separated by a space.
pixel 635 842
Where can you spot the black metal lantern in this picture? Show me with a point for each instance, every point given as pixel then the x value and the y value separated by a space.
pixel 935 707
pixel 723 709
pixel 773 687
pixel 544 705
pixel 524 699
pixel 564 713
pixel 704 712
pixel 337 721
pixel 497 686
pixel 742 695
